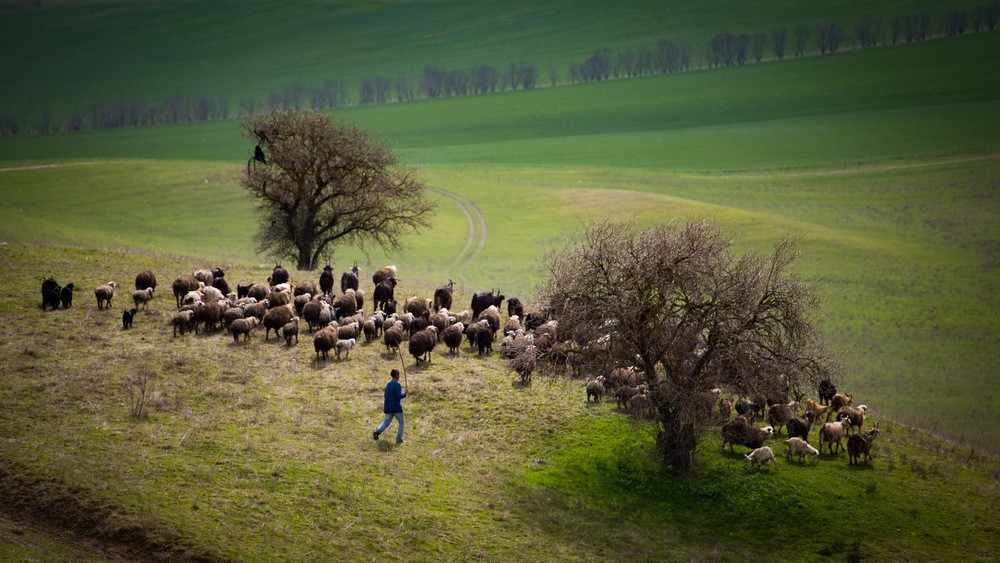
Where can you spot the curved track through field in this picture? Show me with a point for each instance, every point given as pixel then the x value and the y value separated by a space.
pixel 476 229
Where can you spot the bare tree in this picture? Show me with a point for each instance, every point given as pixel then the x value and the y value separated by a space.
pixel 757 43
pixel 674 303
pixel 869 32
pixel 956 22
pixel 799 37
pixel 318 183
pixel 991 13
pixel 553 75
pixel 778 39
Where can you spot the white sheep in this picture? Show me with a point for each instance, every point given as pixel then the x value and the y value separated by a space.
pixel 104 293
pixel 142 297
pixel 762 456
pixel 210 294
pixel 344 346
pixel 801 448
pixel 834 432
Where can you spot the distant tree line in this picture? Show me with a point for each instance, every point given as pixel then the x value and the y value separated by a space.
pixel 722 49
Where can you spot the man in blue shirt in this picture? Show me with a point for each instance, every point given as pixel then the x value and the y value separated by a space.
pixel 393 408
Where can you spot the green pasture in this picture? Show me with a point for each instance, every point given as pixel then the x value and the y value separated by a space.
pixel 260 450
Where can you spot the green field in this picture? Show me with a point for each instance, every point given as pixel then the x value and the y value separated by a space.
pixel 884 162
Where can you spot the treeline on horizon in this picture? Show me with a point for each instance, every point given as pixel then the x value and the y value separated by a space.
pixel 723 49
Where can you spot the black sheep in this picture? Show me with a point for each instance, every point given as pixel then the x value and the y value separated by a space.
pixel 243 290
pixel 482 301
pixel 826 391
pixel 349 280
pixel 442 296
pixel 278 275
pixel 422 343
pixel 384 292
pixel 326 280
pixel 514 307
pixel 798 426
pixel 50 293
pixel 127 317
pixel 484 340
pixel 66 296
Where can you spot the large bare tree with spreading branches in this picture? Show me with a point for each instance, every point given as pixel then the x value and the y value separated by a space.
pixel 676 303
pixel 319 183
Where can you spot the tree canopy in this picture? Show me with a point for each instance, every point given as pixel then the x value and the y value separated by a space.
pixel 675 303
pixel 319 183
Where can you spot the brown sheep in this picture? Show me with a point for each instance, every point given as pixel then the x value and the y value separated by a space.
pixel 778 415
pixel 595 388
pixel 393 337
pixel 104 293
pixel 323 341
pixel 839 400
pixel 861 444
pixel 738 431
pixel 276 318
pixel 182 285
pixel 242 326
pixel 855 414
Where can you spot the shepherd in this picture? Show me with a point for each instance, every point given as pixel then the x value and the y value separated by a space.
pixel 394 392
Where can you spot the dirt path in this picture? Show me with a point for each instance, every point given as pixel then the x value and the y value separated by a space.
pixel 44 166
pixel 474 218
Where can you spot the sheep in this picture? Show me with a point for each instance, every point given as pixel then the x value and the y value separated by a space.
pixel 142 297
pixel 798 426
pixel 839 400
pixel 492 315
pixel 639 405
pixel 440 320
pixel 833 433
pixel 743 406
pixel 778 415
pixel 344 347
pixel 826 392
pixel 220 283
pixel 348 331
pixel 204 276
pixel 817 409
pixel 549 328
pixel 452 337
pixel 326 314
pixel 624 394
pixel 209 294
pixel 484 340
pixel 761 456
pixel 51 293
pixel 464 316
pixel 370 329
pixel 349 280
pixel 383 295
pixel 311 310
pixel 259 291
pixel 276 318
pixel 211 314
pixel 104 293
pixel 855 414
pixel 258 309
pixel 417 306
pixel 534 320
pixel 515 308
pixel 422 343
pixel 278 276
pixel 279 297
pixel 442 296
pixel 739 431
pixel 359 297
pixel 861 444
pixel 801 448
pixel 300 302
pixel 291 330
pixel 305 287
pixel 127 317
pixel 231 314
pixel 182 320
pixel 595 388
pixel 326 280
pixel 346 305
pixel 145 280
pixel 323 341
pixel 513 324
pixel 65 296
pixel 393 337
pixel 242 326
pixel 627 376
pixel 384 273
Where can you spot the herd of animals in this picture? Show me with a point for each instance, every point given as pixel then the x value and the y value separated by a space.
pixel 204 299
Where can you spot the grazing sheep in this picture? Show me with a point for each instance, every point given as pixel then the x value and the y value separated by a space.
pixel 833 433
pixel 258 309
pixel 422 343
pixel 442 296
pixel 344 347
pixel 145 280
pixel 242 326
pixel 761 456
pixel 798 426
pixel 826 392
pixel 855 414
pixel 778 415
pixel 231 314
pixel 142 297
pixel 278 276
pixel 515 308
pixel 452 337
pixel 66 296
pixel 801 448
pixel 595 388
pixel 182 320
pixel 861 444
pixel 276 318
pixel 393 337
pixel 326 280
pixel 51 293
pixel 127 317
pixel 259 291
pixel 740 432
pixel 837 402
pixel 182 285
pixel 104 293
pixel 323 341
pixel 383 274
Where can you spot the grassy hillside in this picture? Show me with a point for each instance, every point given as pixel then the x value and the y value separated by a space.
pixel 258 449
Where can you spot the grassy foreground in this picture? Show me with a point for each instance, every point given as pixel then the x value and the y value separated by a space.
pixel 259 451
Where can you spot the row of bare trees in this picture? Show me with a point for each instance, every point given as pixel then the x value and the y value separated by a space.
pixel 436 82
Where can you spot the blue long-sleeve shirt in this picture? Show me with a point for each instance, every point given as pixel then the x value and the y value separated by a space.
pixel 393 394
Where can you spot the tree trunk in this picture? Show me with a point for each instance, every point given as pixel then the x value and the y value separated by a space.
pixel 676 441
pixel 305 262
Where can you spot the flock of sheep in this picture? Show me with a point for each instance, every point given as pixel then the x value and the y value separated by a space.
pixel 204 300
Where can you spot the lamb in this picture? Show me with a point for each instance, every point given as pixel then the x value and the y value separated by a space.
pixel 348 331
pixel 833 432
pixel 242 326
pixel 595 388
pixel 384 273
pixel 291 329
pixel 839 400
pixel 231 314
pixel 801 448
pixel 452 337
pixel 276 318
pixel 861 444
pixel 344 347
pixel 778 415
pixel 798 426
pixel 127 317
pixel 104 293
pixel 739 431
pixel 142 297
pixel 393 337
pixel 145 280
pixel 258 309
pixel 182 285
pixel 422 343
pixel 817 409
pixel 326 280
pixel 182 320
pixel 855 414
pixel 324 340
pixel 761 456
pixel 51 293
